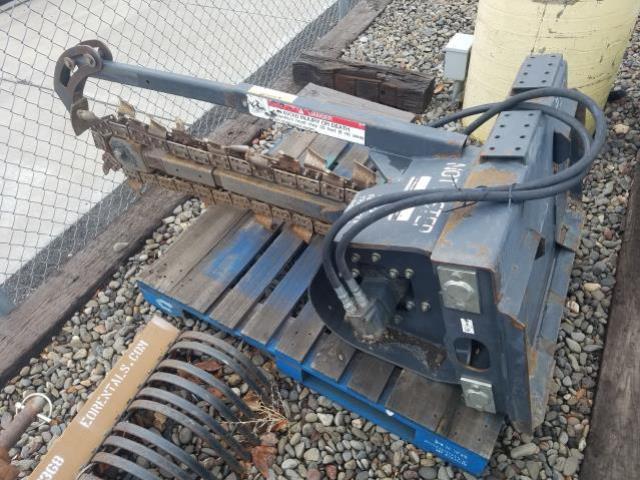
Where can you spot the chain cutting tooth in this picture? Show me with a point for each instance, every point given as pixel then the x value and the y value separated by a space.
pixel 153 141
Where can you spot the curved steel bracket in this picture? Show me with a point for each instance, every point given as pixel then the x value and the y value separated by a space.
pixel 73 68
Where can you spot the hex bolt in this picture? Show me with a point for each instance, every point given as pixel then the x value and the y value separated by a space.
pixel 410 305
pixel 393 273
pixel 355 258
pixel 408 273
pixel 425 306
pixel 118 153
pixel 375 257
pixel 355 272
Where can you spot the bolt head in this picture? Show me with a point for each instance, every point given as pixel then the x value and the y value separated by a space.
pixel 375 257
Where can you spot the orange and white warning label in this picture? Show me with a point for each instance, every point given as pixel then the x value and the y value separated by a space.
pixel 306 119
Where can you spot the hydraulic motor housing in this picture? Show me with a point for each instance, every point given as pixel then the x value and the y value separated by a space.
pixel 472 294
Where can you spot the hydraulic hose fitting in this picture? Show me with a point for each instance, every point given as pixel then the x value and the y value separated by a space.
pixel 358 294
pixel 346 300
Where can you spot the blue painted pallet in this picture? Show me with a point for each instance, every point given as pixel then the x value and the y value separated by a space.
pixel 231 272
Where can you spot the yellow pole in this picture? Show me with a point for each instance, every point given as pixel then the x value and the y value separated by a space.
pixel 592 35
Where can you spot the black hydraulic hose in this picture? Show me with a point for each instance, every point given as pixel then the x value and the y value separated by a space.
pixel 469 195
pixel 576 168
pixel 362 208
pixel 529 190
pixel 506 195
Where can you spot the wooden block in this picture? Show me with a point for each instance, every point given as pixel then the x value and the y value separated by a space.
pixel 268 317
pixel 370 375
pixel 246 294
pixel 332 356
pixel 403 89
pixel 300 333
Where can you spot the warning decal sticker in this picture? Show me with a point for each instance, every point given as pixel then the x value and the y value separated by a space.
pixel 330 125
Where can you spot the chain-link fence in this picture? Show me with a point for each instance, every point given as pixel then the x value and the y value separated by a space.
pixel 53 195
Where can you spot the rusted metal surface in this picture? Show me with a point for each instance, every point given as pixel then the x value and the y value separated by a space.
pixel 10 435
pixel 278 187
pixel 187 391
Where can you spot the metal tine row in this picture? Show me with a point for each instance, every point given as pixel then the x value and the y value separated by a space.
pixel 180 393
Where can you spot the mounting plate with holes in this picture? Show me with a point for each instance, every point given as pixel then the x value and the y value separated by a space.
pixel 539 71
pixel 512 136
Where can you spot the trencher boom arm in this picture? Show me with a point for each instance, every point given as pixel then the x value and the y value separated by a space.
pixel 446 259
pixel 94 59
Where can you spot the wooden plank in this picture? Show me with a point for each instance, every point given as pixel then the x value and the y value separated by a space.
pixel 421 400
pixel 350 27
pixel 189 249
pixel 332 356
pixel 613 447
pixel 403 89
pixel 300 333
pixel 295 143
pixel 327 148
pixel 237 303
pixel 25 330
pixel 268 317
pixel 321 93
pixel 370 375
pixel 471 429
pixel 223 265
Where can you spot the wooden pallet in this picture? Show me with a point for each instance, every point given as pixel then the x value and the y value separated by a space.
pixel 230 271
pixel 233 273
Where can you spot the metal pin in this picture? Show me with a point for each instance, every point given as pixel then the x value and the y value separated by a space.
pixel 375 257
pixel 393 273
pixel 69 63
pixel 89 59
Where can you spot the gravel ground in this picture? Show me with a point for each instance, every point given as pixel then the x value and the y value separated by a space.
pixel 322 440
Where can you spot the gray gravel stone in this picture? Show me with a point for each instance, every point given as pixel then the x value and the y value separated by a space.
pixel 312 455
pixel 428 473
pixel 525 450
